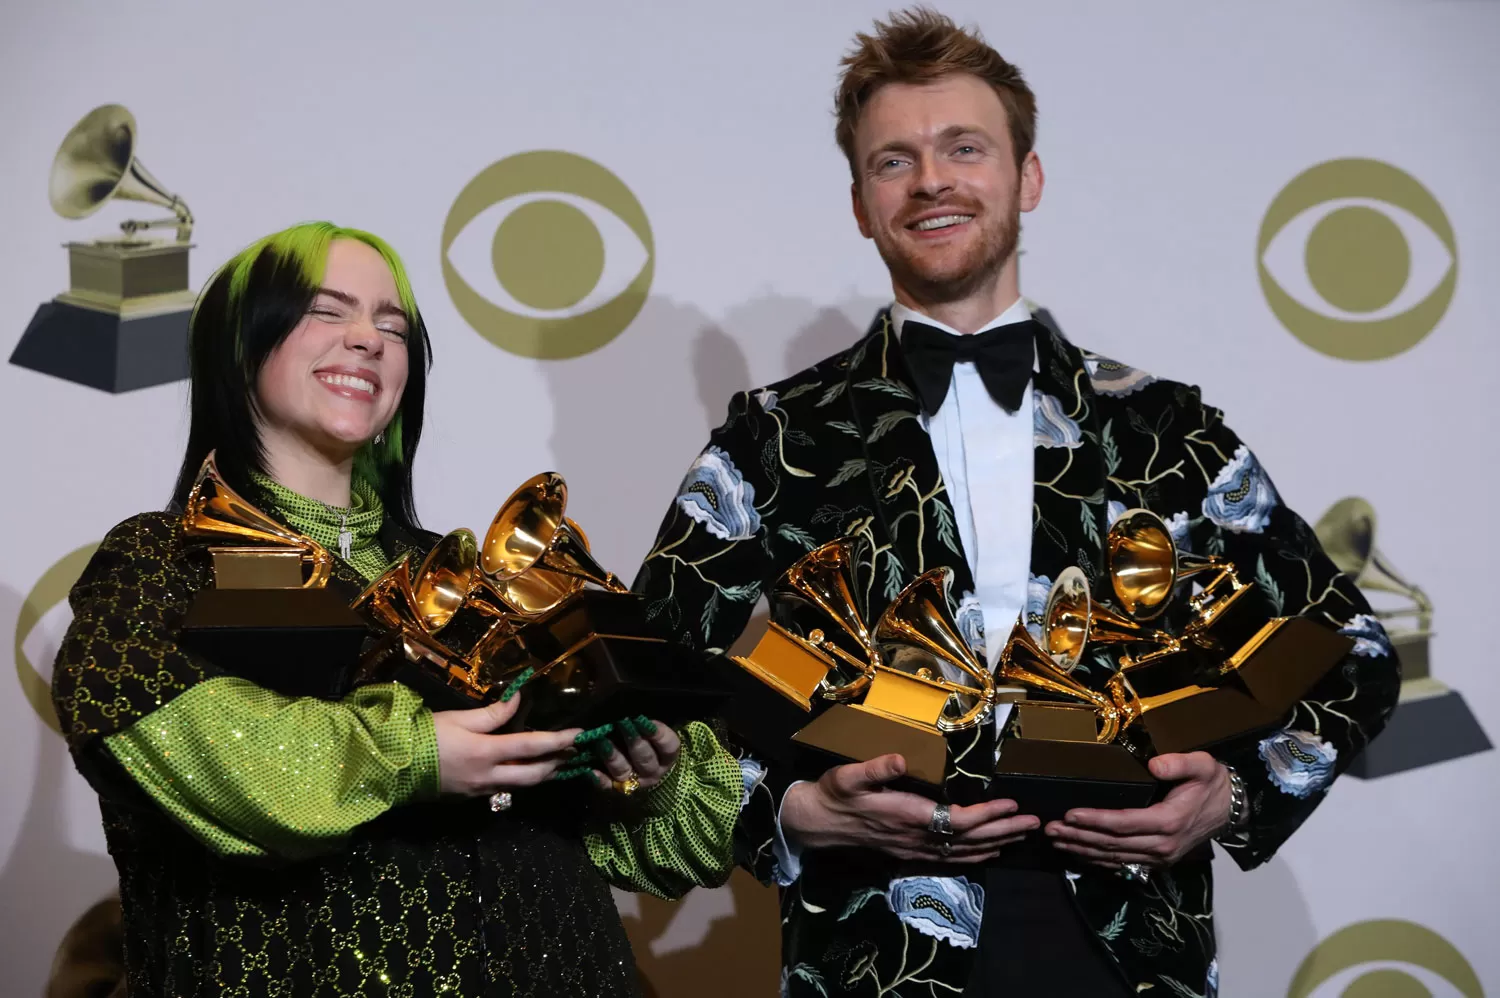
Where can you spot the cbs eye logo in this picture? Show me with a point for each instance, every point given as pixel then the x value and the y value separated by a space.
pixel 1388 958
pixel 1357 259
pixel 547 255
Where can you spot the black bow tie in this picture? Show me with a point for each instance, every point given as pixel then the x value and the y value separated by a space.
pixel 1002 354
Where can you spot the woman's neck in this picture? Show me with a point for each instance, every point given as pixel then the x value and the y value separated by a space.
pixel 307 471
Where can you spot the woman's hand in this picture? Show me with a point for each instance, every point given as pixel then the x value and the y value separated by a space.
pixel 649 758
pixel 475 762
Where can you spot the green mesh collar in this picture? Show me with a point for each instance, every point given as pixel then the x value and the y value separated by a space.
pixel 323 523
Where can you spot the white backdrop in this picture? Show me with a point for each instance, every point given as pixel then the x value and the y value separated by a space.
pixel 1166 131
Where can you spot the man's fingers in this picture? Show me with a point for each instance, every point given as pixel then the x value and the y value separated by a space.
pixel 866 777
pixel 1158 819
pixel 1147 845
pixel 1008 829
pixel 1106 856
pixel 964 819
pixel 1177 766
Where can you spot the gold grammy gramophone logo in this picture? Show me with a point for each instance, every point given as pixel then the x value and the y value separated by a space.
pixel 1432 723
pixel 547 254
pixel 122 324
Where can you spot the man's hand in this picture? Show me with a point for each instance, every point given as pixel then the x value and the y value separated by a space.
pixel 852 806
pixel 1193 812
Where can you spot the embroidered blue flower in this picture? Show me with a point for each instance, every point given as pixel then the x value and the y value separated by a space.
pixel 946 908
pixel 1370 639
pixel 715 494
pixel 1177 526
pixel 766 398
pixel 1051 427
pixel 1037 588
pixel 1211 985
pixel 1299 762
pixel 1116 510
pixel 753 772
pixel 1110 377
pixel 1241 497
pixel 970 620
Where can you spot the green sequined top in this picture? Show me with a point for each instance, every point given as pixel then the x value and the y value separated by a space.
pixel 272 844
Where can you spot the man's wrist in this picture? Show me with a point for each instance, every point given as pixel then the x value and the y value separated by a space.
pixel 1238 815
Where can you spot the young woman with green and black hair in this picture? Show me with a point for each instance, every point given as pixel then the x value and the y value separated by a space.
pixel 269 844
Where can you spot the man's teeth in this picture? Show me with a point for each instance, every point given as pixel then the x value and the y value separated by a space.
pixel 941 222
pixel 349 381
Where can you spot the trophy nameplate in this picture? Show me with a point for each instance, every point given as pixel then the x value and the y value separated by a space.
pixel 771 691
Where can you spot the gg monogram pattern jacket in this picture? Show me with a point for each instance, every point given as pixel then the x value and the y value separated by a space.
pixel 839 449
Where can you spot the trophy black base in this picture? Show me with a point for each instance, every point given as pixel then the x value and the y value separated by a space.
pixel 1422 731
pixel 607 677
pixel 758 717
pixel 297 642
pixel 1050 778
pixel 110 352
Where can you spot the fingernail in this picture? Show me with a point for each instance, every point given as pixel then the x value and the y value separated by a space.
pixel 628 727
pixel 646 725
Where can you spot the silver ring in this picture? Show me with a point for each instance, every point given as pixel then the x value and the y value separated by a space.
pixel 1135 871
pixel 939 823
pixel 945 847
pixel 501 801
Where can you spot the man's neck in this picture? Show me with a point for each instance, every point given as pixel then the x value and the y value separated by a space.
pixel 973 312
pixel 296 464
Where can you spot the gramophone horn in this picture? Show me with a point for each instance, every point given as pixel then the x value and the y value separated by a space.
pixel 1347 534
pixel 1145 566
pixel 445 579
pixel 917 632
pixel 1072 620
pixel 824 580
pixel 96 163
pixel 215 510
pixel 529 534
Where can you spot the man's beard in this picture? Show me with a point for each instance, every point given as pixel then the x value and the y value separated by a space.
pixel 954 280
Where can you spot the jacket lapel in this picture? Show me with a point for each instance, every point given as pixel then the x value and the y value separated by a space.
pixel 914 526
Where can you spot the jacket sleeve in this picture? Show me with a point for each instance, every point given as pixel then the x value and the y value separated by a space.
pixel 683 836
pixel 707 568
pixel 1241 515
pixel 246 771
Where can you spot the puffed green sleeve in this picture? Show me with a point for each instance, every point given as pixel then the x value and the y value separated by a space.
pixel 252 773
pixel 682 837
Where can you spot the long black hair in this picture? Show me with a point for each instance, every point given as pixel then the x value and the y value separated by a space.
pixel 248 308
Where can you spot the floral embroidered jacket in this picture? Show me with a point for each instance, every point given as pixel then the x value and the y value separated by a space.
pixel 838 449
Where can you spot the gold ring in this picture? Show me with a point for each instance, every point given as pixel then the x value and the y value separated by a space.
pixel 627 786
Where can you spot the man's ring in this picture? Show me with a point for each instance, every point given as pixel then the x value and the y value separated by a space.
pixel 501 801
pixel 945 847
pixel 627 786
pixel 940 825
pixel 1135 872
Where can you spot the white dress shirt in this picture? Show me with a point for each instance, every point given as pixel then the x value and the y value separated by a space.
pixel 985 457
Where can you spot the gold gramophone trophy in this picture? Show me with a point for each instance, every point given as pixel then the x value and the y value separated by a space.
pixel 269 616
pixel 909 704
pixel 122 324
pixel 531 607
pixel 1432 723
pixel 773 689
pixel 1232 670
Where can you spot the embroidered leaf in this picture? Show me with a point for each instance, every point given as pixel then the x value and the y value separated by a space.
pixel 799 437
pixel 828 513
pixel 742 593
pixel 801 389
pixel 655 607
pixel 1214 544
pixel 1264 580
pixel 943 513
pixel 810 974
pixel 796 535
pixel 1116 925
pixel 844 426
pixel 888 386
pixel 1109 447
pixel 1180 989
pixel 1090 523
pixel 768 459
pixel 893 574
pixel 834 391
pixel 858 901
pixel 848 470
pixel 706 621
pixel 887 422
pixel 1136 422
